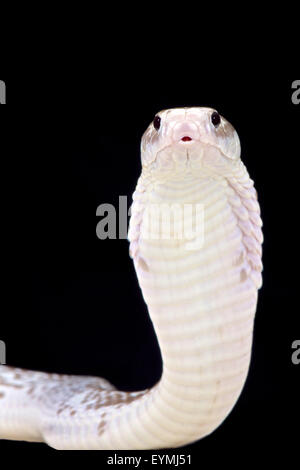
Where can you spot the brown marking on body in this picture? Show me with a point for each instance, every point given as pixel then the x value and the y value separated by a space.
pixel 101 428
pixel 102 425
pixel 62 408
pixel 240 259
pixel 143 265
pixel 255 266
pixel 66 407
pixel 31 390
pixel 8 384
pixel 243 275
pixel 112 398
pixel 2 395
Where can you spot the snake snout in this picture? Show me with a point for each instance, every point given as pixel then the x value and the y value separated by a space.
pixel 185 131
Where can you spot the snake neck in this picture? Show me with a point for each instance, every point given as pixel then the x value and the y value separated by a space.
pixel 201 293
pixel 196 245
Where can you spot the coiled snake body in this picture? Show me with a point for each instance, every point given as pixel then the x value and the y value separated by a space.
pixel 200 289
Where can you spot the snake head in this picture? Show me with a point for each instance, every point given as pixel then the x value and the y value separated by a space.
pixel 198 135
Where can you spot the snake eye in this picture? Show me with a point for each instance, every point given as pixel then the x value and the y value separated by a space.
pixel 215 118
pixel 156 122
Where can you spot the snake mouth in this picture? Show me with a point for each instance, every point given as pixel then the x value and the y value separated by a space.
pixel 186 138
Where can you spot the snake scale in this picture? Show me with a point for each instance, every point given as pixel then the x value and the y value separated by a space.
pixel 201 291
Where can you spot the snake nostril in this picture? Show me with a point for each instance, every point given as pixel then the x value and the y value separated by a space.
pixel 186 138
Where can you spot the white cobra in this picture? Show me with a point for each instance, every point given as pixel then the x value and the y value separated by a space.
pixel 195 238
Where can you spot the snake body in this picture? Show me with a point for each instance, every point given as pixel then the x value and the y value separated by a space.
pixel 201 293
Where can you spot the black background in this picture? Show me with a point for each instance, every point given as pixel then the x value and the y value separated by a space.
pixel 71 303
